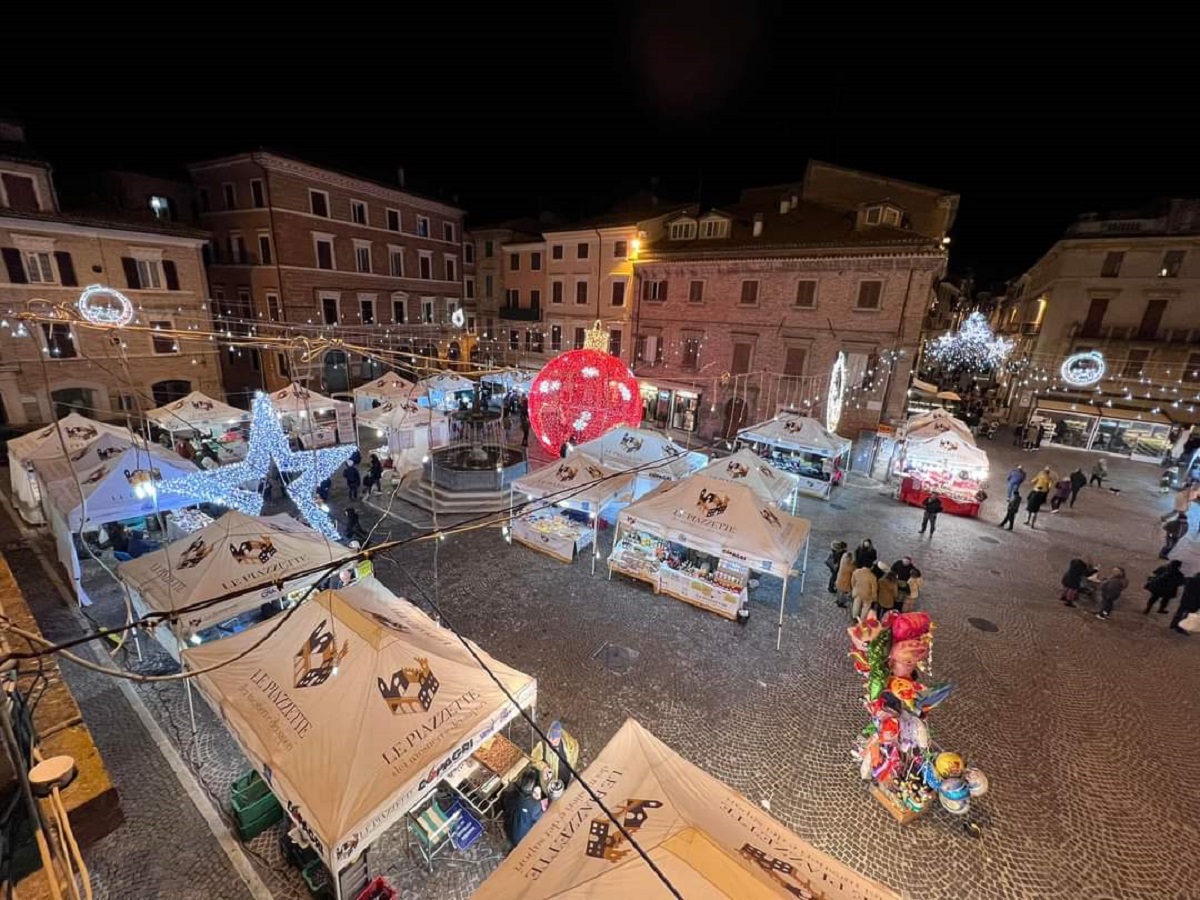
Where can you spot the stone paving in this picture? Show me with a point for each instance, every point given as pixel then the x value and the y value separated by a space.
pixel 1083 726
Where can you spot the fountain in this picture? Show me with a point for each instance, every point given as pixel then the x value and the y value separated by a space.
pixel 478 460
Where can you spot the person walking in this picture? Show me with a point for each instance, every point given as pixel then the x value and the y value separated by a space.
pixel 1062 493
pixel 1016 477
pixel 1163 585
pixel 1010 516
pixel 1181 503
pixel 836 551
pixel 1039 437
pixel 1043 481
pixel 864 588
pixel 844 579
pixel 1110 591
pixel 353 480
pixel 1078 483
pixel 1032 506
pixel 375 474
pixel 1188 603
pixel 1019 436
pixel 932 507
pixel 1099 473
pixel 1174 532
pixel 353 529
pixel 1072 580
pixel 865 555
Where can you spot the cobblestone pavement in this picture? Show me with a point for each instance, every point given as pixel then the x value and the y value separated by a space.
pixel 1084 727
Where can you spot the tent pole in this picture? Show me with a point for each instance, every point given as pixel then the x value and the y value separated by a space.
pixel 804 568
pixel 187 683
pixel 782 601
pixel 595 539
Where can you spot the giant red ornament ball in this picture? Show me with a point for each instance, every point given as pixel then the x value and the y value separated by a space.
pixel 581 395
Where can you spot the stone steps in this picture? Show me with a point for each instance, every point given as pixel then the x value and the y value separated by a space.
pixel 415 489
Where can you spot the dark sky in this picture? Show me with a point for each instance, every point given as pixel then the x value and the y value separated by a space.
pixel 519 107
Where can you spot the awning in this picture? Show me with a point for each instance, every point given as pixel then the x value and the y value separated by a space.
pixel 1063 406
pixel 196 411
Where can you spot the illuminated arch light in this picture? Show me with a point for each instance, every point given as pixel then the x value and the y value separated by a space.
pixel 1083 369
pixel 116 313
pixel 837 387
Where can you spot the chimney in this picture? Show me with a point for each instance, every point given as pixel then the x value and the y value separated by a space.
pixel 784 205
pixel 400 175
pixel 758 224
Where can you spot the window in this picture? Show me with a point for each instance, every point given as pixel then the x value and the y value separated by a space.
pixel 399 309
pixel 324 250
pixel 1152 317
pixel 618 292
pixel 202 200
pixel 162 208
pixel 539 341
pixel 1095 317
pixel 264 249
pixel 749 292
pixel 1191 372
pixel 38 268
pixel 489 286
pixel 393 220
pixel 743 353
pixel 691 349
pixel 255 360
pixel 489 249
pixel 451 269
pixel 556 251
pixel 358 212
pixel 469 288
pixel 274 308
pixel 696 292
pixel 281 365
pixel 535 300
pixel 60 343
pixel 514 339
pixel 318 203
pixel 362 256
pixel 581 251
pixel 1111 267
pixel 366 308
pixel 682 231
pixel 581 292
pixel 649 348
pixel 1135 363
pixel 126 402
pixel 425 265
pixel 555 338
pixel 1172 262
pixel 162 344
pixel 258 196
pixel 869 294
pixel 427 310
pixel 620 249
pixel 535 261
pixel 448 231
pixel 655 291
pixel 874 215
pixel 229 192
pixel 329 310
pixel 150 273
pixel 235 247
pixel 556 292
pixel 512 298
pixel 714 228
pixel 614 342
pixel 806 294
pixel 19 192
pixel 469 253
pixel 396 262
pixel 514 262
pixel 423 226
pixel 579 337
pixel 795 360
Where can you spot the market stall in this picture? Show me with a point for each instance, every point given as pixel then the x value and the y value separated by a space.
pixel 357 709
pixel 700 539
pixel 409 429
pixel 313 419
pixel 578 488
pixel 113 480
pixel 389 388
pixel 655 457
pixel 444 389
pixel 705 837
pixel 802 446
pixel 255 554
pixel 935 423
pixel 948 466
pixel 509 380
pixel 197 416
pixel 772 484
pixel 75 431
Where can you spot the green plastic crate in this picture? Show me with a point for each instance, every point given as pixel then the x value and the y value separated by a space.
pixel 316 876
pixel 251 827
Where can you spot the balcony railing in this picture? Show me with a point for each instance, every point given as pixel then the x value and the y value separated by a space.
pixel 521 313
pixel 1135 333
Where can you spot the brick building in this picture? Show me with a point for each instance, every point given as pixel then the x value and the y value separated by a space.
pixel 300 249
pixel 745 310
pixel 49 368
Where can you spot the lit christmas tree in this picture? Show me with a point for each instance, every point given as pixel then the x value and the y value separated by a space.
pixel 973 348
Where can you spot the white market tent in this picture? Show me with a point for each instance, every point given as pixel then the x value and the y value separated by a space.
pixel 727 520
pixel 950 450
pixel 111 481
pixel 315 419
pixel 656 456
pixel 771 484
pixel 511 379
pixel 577 482
pixel 935 422
pixel 235 552
pixel 440 385
pixel 386 388
pixel 198 412
pixel 794 433
pixel 348 754
pixel 78 432
pixel 706 838
pixel 411 430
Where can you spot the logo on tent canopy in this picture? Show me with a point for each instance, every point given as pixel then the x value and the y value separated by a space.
pixel 631 443
pixel 197 551
pixel 107 453
pixel 95 477
pixel 80 432
pixel 780 871
pixel 566 472
pixel 737 469
pixel 603 843
pixel 316 658
pixel 711 503
pixel 792 426
pixel 770 518
pixel 250 552
pixel 412 689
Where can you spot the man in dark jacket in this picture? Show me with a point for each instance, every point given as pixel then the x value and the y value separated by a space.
pixel 932 507
pixel 1078 483
pixel 353 480
pixel 522 806
pixel 1014 507
pixel 865 555
pixel 1072 581
pixel 1174 531
pixel 1164 584
pixel 836 549
pixel 1188 603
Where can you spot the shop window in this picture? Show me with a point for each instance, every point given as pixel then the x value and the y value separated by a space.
pixel 685 411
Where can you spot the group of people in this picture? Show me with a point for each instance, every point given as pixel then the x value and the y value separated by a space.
pixel 861 582
pixel 355 480
pixel 1047 485
pixel 552 762
pixel 1163 584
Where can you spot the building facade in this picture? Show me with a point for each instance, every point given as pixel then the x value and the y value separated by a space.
pixel 49 368
pixel 748 310
pixel 1127 287
pixel 304 250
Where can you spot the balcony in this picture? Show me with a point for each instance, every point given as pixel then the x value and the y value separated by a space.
pixel 521 313
pixel 1114 334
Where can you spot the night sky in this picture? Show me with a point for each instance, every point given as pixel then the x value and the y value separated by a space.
pixel 522 108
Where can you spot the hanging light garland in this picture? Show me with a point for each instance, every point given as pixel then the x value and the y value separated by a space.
pixel 974 347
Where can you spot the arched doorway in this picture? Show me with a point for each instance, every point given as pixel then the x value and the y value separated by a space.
pixel 454 353
pixel 335 372
pixel 736 413
pixel 170 390
pixel 74 399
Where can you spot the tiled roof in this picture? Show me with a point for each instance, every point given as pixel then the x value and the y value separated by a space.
pixel 110 219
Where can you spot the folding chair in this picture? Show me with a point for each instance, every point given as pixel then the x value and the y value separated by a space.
pixel 432 829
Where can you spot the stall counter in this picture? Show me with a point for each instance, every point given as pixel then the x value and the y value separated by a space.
pixel 552 534
pixel 915 492
pixel 701 592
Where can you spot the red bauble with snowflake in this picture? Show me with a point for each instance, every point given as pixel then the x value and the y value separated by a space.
pixel 581 395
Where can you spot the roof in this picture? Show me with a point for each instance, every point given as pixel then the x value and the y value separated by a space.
pixel 636 208
pixel 112 220
pixel 875 176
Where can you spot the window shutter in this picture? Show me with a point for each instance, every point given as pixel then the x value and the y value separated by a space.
pixel 171 274
pixel 131 273
pixel 16 268
pixel 66 269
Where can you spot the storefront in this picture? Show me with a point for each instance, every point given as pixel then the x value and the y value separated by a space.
pixel 1067 424
pixel 1139 434
pixel 671 407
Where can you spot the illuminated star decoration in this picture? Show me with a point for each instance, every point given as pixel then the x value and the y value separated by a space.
pixel 225 485
pixel 974 347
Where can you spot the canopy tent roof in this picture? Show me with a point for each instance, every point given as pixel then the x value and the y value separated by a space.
pixel 387 387
pixel 236 552
pixel 512 379
pixel 947 448
pixel 446 382
pixel 579 479
pixel 707 839
pixel 107 472
pixel 78 432
pixel 196 409
pixel 625 448
pixel 396 415
pixel 745 467
pixel 935 422
pixel 349 753
pixel 796 432
pixel 724 518
pixel 296 398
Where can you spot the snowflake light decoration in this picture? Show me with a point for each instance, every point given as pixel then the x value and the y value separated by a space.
pixel 580 395
pixel 974 347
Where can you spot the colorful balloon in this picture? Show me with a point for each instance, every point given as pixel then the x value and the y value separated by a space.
pixel 955 807
pixel 932 695
pixel 976 781
pixel 949 765
pixel 904 690
pixel 906 655
pixel 907 626
pixel 955 789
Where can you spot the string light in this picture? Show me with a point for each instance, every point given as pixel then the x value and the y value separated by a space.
pixel 974 347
